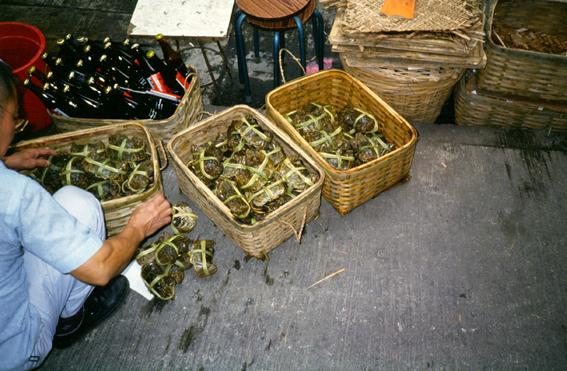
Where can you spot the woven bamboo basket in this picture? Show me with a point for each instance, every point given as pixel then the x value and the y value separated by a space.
pixel 258 239
pixel 418 94
pixel 117 211
pixel 186 113
pixel 348 189
pixel 526 73
pixel 472 107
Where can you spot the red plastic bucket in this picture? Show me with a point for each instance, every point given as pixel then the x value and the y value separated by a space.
pixel 21 46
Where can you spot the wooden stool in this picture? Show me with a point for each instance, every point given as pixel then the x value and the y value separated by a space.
pixel 277 16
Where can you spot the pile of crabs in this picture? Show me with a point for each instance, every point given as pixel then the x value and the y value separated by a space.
pixel 345 138
pixel 249 171
pixel 165 261
pixel 120 168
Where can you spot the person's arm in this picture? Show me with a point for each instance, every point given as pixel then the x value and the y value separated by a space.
pixel 117 251
pixel 29 158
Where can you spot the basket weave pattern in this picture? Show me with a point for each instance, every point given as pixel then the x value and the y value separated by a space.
pixel 186 113
pixel 416 94
pixel 474 108
pixel 346 190
pixel 526 73
pixel 117 211
pixel 431 15
pixel 258 239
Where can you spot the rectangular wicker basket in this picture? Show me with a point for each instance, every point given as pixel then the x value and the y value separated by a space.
pixel 348 189
pixel 117 211
pixel 476 108
pixel 526 73
pixel 186 113
pixel 258 239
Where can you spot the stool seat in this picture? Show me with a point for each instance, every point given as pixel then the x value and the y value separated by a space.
pixel 284 23
pixel 271 10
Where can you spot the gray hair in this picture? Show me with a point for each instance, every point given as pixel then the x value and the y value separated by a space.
pixel 8 85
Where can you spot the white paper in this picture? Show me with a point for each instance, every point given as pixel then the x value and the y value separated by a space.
pixel 133 273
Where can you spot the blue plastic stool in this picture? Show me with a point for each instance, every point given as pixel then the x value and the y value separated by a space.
pixel 279 43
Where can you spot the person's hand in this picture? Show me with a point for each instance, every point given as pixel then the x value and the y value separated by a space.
pixel 29 158
pixel 151 215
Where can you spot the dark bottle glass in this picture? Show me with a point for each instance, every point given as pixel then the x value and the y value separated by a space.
pixel 49 99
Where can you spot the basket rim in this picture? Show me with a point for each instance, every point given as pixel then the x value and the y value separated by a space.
pixel 515 51
pixel 206 192
pixel 182 103
pixel 540 106
pixel 101 130
pixel 320 160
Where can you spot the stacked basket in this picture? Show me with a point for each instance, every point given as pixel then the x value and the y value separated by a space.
pixel 412 63
pixel 521 86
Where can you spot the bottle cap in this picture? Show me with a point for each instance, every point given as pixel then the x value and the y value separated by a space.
pixel 31 70
pixel 150 54
pixel 159 36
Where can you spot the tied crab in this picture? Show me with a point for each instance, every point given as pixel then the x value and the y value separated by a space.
pixel 139 177
pixel 183 219
pixel 127 148
pixel 207 162
pixel 202 253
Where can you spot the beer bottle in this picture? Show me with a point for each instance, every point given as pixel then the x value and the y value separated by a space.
pixel 174 60
pixel 152 69
pixel 48 99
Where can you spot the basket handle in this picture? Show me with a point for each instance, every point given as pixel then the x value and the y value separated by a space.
pixel 162 156
pixel 296 232
pixel 292 57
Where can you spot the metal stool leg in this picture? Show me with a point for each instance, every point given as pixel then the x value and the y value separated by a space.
pixel 301 37
pixel 276 59
pixel 319 37
pixel 256 42
pixel 238 20
pixel 241 50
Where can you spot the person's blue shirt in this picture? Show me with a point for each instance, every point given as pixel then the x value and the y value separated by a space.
pixel 32 222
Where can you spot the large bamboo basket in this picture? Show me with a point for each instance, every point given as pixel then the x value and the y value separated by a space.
pixel 418 93
pixel 258 239
pixel 186 113
pixel 348 189
pixel 475 108
pixel 117 211
pixel 526 73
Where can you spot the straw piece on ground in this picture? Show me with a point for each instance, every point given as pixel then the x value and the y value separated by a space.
pixel 326 278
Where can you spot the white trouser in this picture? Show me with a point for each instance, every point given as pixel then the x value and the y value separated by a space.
pixel 53 294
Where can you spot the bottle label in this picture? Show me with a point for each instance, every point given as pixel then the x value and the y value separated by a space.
pixel 158 83
pixel 184 82
pixel 170 96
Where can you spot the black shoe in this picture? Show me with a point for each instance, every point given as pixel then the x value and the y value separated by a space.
pixel 98 306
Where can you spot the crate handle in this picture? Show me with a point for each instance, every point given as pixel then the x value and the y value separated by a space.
pixel 162 156
pixel 296 232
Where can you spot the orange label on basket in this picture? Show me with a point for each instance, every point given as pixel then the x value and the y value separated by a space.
pixel 402 8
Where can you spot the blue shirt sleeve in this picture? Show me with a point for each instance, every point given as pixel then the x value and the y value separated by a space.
pixel 48 231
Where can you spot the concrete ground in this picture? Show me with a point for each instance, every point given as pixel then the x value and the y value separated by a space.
pixel 462 267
